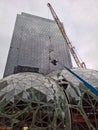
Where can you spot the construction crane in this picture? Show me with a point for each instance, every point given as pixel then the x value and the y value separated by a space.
pixel 62 30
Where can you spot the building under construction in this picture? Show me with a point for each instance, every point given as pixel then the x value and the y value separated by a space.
pixel 35 94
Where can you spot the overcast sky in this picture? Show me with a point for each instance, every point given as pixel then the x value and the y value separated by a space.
pixel 80 18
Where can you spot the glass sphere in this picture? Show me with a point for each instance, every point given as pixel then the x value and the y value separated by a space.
pixel 32 101
pixel 83 104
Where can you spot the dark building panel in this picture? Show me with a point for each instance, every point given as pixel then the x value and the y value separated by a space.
pixel 35 41
pixel 19 69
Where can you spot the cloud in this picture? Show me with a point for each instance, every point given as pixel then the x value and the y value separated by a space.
pixel 81 21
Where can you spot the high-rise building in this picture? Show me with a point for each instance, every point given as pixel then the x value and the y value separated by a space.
pixel 35 42
pixel 34 101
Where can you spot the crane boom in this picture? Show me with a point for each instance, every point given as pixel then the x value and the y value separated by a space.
pixel 62 30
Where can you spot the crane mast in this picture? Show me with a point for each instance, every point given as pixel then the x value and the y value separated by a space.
pixel 62 30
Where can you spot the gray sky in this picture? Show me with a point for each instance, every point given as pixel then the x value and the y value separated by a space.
pixel 80 18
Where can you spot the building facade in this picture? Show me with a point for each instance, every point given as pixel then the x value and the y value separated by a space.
pixel 35 42
pixel 45 100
